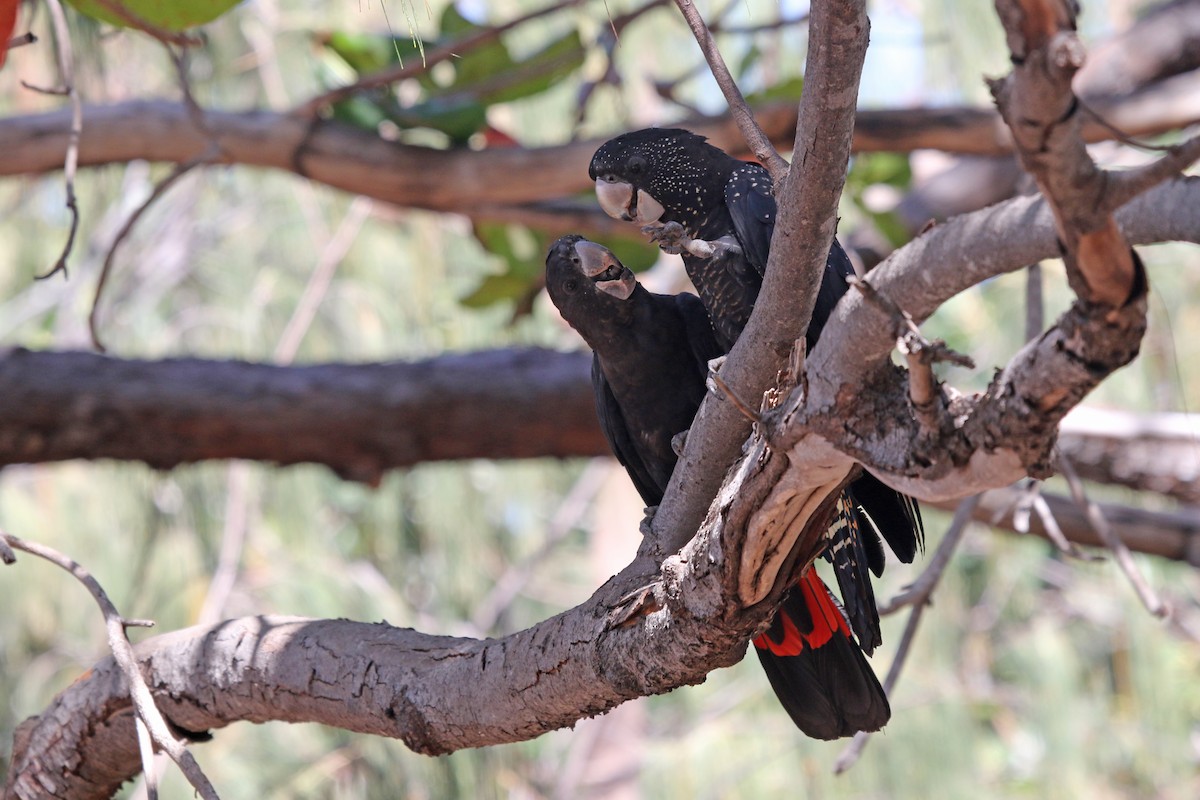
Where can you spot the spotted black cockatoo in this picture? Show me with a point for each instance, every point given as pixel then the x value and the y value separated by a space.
pixel 719 214
pixel 649 366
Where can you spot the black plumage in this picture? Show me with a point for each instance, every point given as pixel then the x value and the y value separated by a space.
pixel 719 214
pixel 650 362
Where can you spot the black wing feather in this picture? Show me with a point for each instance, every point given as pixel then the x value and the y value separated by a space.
pixel 701 339
pixel 616 431
pixel 896 516
pixel 750 199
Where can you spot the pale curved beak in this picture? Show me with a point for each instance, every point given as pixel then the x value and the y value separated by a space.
pixel 614 198
pixel 606 271
pixel 620 201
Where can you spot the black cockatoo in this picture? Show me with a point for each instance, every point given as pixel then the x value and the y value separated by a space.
pixel 650 363
pixel 719 214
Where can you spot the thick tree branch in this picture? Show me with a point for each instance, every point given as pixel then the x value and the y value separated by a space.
pixel 804 231
pixel 439 694
pixel 360 420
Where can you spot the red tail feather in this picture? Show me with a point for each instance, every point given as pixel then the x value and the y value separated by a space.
pixel 825 617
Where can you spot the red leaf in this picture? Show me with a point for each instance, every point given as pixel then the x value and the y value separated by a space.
pixel 8 23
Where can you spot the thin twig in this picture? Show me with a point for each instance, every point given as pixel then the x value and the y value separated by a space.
pixel 195 112
pixel 917 595
pixel 726 390
pixel 211 153
pixel 122 651
pixel 433 57
pixel 1118 134
pixel 757 140
pixel 1054 531
pixel 22 40
pixel 919 591
pixel 106 269
pixel 146 751
pixel 66 69
pixel 1112 540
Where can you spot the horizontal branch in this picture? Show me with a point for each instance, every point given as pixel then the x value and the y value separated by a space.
pixel 480 182
pixel 1167 534
pixel 1157 453
pixel 360 420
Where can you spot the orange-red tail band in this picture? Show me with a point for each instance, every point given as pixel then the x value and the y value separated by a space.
pixel 815 614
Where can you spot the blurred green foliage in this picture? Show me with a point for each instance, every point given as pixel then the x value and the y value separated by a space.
pixel 173 15
pixel 1031 677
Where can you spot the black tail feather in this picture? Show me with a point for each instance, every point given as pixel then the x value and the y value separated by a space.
pixel 829 690
pixel 896 516
pixel 851 565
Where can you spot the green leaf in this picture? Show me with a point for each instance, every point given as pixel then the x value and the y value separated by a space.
pixel 173 15
pixel 479 63
pixel 458 118
pixel 889 168
pixel 523 252
pixel 790 89
pixel 367 52
pixel 542 70
pixel 873 169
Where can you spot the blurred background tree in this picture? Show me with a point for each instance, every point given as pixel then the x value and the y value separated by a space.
pixel 1033 676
